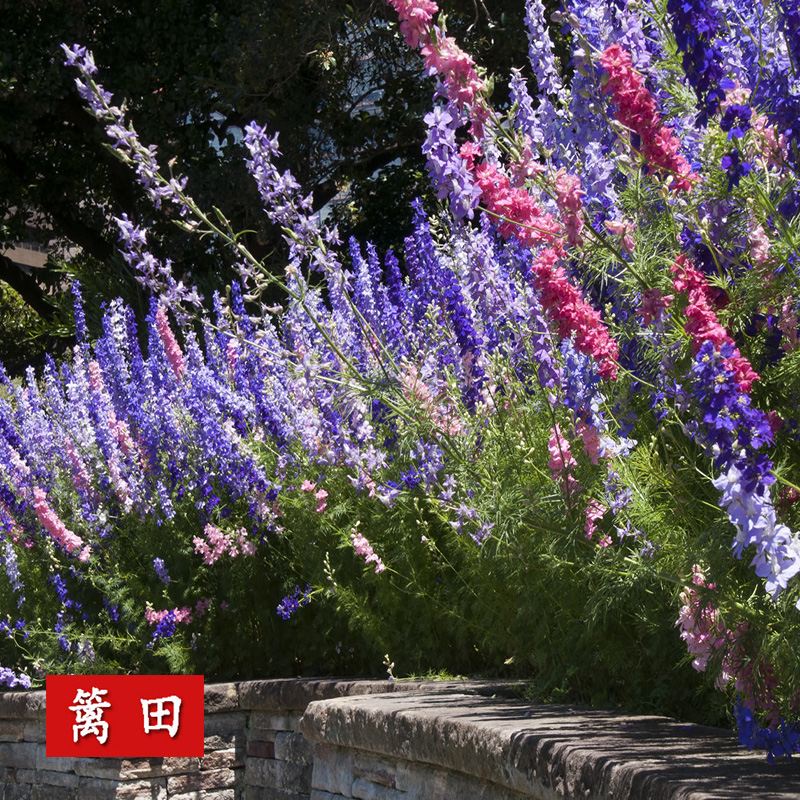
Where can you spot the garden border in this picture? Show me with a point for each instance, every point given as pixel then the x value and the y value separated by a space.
pixel 292 739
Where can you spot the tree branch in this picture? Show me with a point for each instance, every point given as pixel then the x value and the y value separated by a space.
pixel 27 287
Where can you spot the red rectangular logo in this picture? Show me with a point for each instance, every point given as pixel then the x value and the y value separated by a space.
pixel 124 716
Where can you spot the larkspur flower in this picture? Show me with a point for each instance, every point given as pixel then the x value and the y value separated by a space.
pixel 13 679
pixel 51 522
pixel 292 603
pixel 695 26
pixel 364 548
pixel 161 570
pixel 445 166
pixel 636 109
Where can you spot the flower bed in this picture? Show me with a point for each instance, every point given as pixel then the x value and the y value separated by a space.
pixel 560 425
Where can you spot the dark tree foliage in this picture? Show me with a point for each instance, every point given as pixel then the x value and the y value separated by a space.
pixel 335 78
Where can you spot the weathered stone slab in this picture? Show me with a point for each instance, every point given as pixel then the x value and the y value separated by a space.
pixel 261 772
pixel 376 770
pixel 546 751
pixel 222 759
pixel 13 775
pixel 394 740
pixel 155 789
pixel 293 747
pixel 43 792
pixel 34 731
pixel 225 741
pixel 366 790
pixel 11 730
pixel 97 789
pixel 50 778
pixel 261 749
pixel 202 781
pixel 101 768
pixel 219 697
pixel 264 793
pixel 295 694
pixel 21 755
pixel 12 791
pixel 22 705
pixel 225 723
pixel 261 722
pixel 333 769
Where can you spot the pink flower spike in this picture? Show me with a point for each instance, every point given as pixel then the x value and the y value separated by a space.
pixel 415 18
pixel 636 110
pixel 321 496
pixel 701 320
pixel 364 548
pixel 564 303
pixel 54 526
pixel 622 228
pixel 569 198
pixel 594 511
pixel 653 303
pixel 171 345
pixel 591 442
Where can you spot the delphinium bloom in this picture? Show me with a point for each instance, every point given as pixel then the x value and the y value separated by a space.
pixel 286 207
pixel 735 167
pixel 218 543
pixel 707 639
pixel 540 52
pixel 781 740
pixel 553 98
pixel 562 464
pixel 171 345
pixel 161 570
pixel 517 212
pixel 9 557
pixel 469 341
pixel 415 20
pixel 439 411
pixel 568 196
pixel 734 432
pixel 695 26
pixel 125 137
pixel 166 621
pixel 148 173
pixel 636 109
pixel 520 217
pixel 573 315
pixel 654 303
pixel 702 323
pixel 700 626
pixel 593 512
pixel 445 58
pixel 364 548
pixel 445 166
pixel 292 603
pixel 52 523
pixel 13 679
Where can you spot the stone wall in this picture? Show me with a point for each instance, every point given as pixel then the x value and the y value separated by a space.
pixel 398 740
